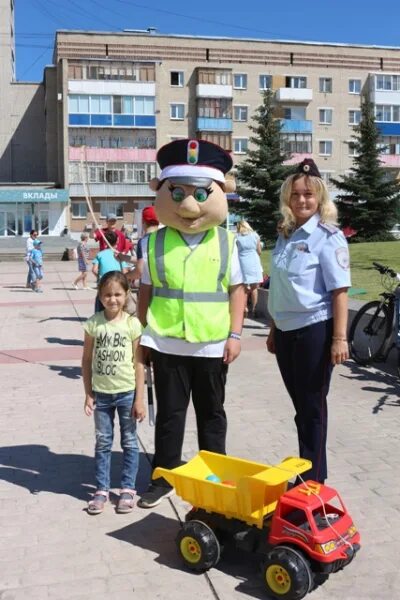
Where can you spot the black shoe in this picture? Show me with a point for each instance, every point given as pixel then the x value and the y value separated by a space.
pixel 154 496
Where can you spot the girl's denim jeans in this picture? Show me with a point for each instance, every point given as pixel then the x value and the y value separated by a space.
pixel 106 405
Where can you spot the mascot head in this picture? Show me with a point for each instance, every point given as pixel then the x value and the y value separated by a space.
pixel 191 189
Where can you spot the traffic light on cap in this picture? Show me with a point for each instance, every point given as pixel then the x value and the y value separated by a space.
pixel 193 152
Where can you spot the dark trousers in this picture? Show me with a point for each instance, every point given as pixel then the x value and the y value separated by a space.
pixel 175 379
pixel 304 362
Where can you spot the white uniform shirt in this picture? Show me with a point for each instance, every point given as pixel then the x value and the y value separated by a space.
pixel 178 346
pixel 305 269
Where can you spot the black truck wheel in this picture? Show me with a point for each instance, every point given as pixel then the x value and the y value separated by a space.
pixel 287 574
pixel 198 546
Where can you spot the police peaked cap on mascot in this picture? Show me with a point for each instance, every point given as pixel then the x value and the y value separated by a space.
pixel 193 158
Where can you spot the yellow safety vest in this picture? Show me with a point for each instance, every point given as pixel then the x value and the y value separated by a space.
pixel 190 287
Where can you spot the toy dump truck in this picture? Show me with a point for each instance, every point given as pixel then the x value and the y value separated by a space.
pixel 301 533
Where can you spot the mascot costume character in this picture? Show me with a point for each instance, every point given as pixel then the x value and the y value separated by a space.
pixel 191 301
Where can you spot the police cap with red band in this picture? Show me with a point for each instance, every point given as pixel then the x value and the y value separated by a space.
pixel 308 167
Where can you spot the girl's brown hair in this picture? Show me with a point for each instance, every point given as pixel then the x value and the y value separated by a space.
pixel 116 276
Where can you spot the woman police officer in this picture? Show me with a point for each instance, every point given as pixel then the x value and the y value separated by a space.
pixel 308 304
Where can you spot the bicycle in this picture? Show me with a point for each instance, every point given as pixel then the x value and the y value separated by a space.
pixel 375 329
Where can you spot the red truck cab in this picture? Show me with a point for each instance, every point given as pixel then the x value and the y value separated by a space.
pixel 313 518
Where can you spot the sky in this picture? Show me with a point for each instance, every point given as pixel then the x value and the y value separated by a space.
pixel 342 21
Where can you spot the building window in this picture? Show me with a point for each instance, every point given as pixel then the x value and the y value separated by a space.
pixel 221 139
pixel 111 207
pixel 387 83
pixel 387 113
pixel 354 117
pixel 78 103
pixel 177 78
pixel 326 177
pixel 79 210
pixel 296 82
pixel 265 82
pixel 325 85
pixel 296 113
pixel 325 116
pixel 325 148
pixel 177 112
pixel 214 108
pixel 214 77
pixel 354 86
pixel 296 143
pixel 240 145
pixel 240 81
pixel 352 149
pixel 389 145
pixel 113 172
pixel 240 113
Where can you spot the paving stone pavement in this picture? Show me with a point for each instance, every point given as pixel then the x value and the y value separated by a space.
pixel 51 549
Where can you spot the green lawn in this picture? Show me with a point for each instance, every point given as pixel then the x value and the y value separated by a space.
pixel 363 275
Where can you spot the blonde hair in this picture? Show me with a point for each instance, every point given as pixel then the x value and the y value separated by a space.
pixel 326 208
pixel 243 228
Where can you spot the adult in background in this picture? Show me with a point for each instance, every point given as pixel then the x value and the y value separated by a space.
pixel 111 225
pixel 150 223
pixel 249 248
pixel 307 301
pixel 28 249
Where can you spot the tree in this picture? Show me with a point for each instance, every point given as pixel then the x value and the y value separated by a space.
pixel 261 174
pixel 369 201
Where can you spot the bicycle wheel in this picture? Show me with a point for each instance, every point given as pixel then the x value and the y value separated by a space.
pixel 370 329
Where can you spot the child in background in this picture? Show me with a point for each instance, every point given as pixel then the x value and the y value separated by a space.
pixel 105 262
pixel 83 261
pixel 112 359
pixel 36 262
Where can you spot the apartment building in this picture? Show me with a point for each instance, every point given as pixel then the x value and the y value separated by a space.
pixel 111 99
pixel 122 95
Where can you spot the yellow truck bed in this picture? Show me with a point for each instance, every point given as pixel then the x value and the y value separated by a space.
pixel 250 493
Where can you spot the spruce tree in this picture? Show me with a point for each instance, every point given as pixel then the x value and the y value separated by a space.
pixel 260 175
pixel 369 199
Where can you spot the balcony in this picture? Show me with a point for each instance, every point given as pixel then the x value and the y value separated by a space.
pixel 390 160
pixel 388 128
pixel 109 120
pixel 286 94
pixel 113 154
pixel 213 90
pixel 110 190
pixel 296 126
pixel 210 124
pixel 111 88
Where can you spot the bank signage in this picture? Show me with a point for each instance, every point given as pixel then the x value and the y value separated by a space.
pixel 34 195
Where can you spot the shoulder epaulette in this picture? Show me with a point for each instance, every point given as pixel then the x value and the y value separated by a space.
pixel 329 227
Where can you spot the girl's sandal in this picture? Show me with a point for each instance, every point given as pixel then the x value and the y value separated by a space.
pixel 126 501
pixel 96 505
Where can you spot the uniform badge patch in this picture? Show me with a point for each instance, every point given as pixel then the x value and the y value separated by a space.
pixel 342 257
pixel 302 247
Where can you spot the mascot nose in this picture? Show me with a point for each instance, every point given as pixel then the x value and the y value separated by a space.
pixel 189 207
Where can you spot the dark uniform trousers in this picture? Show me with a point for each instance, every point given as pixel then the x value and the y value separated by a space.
pixel 304 361
pixel 175 379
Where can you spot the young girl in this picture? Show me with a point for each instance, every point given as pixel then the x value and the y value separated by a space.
pixel 83 260
pixel 111 361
